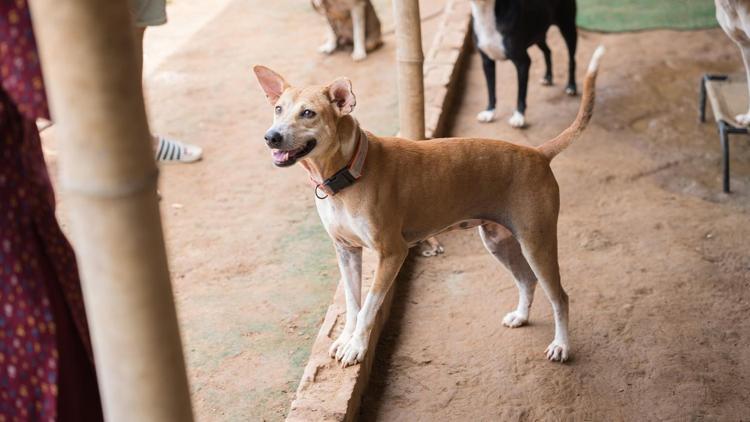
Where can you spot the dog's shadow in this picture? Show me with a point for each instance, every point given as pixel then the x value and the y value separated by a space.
pixel 389 340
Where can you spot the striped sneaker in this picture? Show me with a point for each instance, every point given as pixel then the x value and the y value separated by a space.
pixel 168 150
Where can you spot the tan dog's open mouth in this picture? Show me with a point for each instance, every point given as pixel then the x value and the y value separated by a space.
pixel 282 158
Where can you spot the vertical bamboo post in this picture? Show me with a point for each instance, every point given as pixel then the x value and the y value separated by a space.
pixel 108 178
pixel 410 74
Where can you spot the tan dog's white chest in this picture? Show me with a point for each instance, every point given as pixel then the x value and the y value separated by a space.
pixel 343 226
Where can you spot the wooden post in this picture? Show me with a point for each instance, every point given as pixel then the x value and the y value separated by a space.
pixel 410 75
pixel 108 179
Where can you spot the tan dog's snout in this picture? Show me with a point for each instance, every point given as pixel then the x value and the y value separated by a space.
pixel 274 138
pixel 286 136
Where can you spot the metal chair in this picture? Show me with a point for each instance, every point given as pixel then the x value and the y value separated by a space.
pixel 710 87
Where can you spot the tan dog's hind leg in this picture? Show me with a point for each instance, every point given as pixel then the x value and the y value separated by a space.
pixel 350 266
pixel 539 246
pixel 389 263
pixel 502 245
pixel 358 26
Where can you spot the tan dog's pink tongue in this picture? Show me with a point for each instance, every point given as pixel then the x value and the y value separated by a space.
pixel 279 155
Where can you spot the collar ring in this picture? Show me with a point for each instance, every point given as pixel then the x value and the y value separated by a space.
pixel 316 192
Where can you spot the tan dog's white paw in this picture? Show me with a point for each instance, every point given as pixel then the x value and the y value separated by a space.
pixel 486 116
pixel 359 55
pixel 352 353
pixel 327 48
pixel 743 119
pixel 517 120
pixel 515 319
pixel 339 344
pixel 557 352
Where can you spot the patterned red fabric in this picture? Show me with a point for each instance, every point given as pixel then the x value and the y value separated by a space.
pixel 19 63
pixel 46 369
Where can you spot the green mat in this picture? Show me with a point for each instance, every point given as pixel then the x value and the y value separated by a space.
pixel 636 15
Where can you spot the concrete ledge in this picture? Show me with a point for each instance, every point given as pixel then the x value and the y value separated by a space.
pixel 326 391
pixel 443 65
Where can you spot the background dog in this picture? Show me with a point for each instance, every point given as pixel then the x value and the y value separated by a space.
pixel 734 18
pixel 351 22
pixel 505 29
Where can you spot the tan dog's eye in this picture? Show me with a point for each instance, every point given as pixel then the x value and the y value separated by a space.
pixel 278 109
pixel 307 114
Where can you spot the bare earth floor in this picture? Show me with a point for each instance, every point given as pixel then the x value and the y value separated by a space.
pixel 655 260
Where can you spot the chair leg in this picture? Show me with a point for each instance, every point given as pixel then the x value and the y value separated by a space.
pixel 723 133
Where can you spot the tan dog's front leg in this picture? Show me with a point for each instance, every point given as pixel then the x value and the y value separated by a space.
pixel 358 27
pixel 431 247
pixel 389 263
pixel 350 266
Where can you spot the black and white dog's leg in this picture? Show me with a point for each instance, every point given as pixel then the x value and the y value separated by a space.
pixel 522 63
pixel 488 65
pixel 547 80
pixel 570 34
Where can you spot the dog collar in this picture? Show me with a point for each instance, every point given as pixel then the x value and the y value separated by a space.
pixel 347 175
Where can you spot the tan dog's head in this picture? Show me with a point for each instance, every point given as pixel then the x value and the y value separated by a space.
pixel 304 119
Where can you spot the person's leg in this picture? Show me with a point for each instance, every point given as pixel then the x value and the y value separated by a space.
pixel 138 33
pixel 149 13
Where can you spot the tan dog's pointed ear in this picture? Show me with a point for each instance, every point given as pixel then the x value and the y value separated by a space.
pixel 341 95
pixel 272 83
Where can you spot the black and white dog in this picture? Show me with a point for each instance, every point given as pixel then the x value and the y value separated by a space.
pixel 505 29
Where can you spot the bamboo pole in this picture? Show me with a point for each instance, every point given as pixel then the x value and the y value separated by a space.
pixel 410 74
pixel 108 178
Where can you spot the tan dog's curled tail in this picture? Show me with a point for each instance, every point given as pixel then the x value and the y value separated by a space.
pixel 556 145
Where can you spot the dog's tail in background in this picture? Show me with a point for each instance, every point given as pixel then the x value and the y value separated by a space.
pixel 555 146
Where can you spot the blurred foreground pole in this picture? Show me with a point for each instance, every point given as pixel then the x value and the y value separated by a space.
pixel 410 75
pixel 108 179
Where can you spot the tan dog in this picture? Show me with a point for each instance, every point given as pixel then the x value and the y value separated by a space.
pixel 408 191
pixel 734 18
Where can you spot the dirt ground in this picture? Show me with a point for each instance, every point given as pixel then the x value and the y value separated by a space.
pixel 654 257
